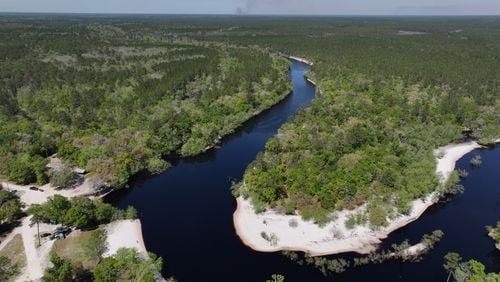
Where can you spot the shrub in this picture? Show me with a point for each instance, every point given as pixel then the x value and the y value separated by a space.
pixel 131 213
pixel 289 207
pixel 377 216
pixel 462 173
pixel 128 265
pixel 476 161
pixel 355 219
pixel 156 165
pixel 64 178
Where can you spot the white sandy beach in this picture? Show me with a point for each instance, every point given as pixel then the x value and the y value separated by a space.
pixel 125 234
pixel 302 60
pixel 311 238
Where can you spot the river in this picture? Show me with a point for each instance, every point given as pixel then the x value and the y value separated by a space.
pixel 186 212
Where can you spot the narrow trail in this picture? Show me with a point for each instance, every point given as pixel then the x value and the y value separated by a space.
pixel 33 266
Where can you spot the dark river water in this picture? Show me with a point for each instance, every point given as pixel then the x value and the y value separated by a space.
pixel 186 213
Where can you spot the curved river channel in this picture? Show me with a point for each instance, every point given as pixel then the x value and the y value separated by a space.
pixel 186 212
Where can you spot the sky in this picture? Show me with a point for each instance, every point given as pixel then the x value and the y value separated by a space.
pixel 294 7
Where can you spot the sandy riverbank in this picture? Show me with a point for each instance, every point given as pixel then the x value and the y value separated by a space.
pixel 298 59
pixel 333 238
pixel 125 234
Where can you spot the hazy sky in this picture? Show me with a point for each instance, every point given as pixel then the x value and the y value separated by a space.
pixel 314 7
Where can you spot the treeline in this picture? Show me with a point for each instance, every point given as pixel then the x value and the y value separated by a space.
pixel 458 53
pixel 10 207
pixel 79 212
pixel 116 98
pixel 467 271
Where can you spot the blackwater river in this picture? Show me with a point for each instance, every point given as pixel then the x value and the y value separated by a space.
pixel 186 213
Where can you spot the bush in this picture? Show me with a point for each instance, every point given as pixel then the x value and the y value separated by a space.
pixel 157 165
pixel 462 173
pixel 61 270
pixel 377 216
pixel 476 161
pixel 289 207
pixel 25 170
pixel 10 206
pixel 20 172
pixel 128 265
pixel 131 213
pixel 64 178
pixel 355 219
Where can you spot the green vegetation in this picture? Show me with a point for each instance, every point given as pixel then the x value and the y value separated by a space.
pixel 355 219
pixel 64 177
pixel 79 212
pixel 80 257
pixel 386 100
pixel 396 252
pixel 128 265
pixel 10 207
pixel 62 271
pixel 476 161
pixel 12 259
pixel 82 248
pixel 469 271
pixel 115 96
pixel 494 232
pixel 276 278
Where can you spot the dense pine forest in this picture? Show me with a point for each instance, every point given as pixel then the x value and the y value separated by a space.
pixel 390 91
pixel 117 95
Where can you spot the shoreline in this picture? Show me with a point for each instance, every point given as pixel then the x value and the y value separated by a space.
pixel 125 234
pixel 298 59
pixel 335 238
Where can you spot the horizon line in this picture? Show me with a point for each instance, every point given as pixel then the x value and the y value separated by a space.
pixel 250 14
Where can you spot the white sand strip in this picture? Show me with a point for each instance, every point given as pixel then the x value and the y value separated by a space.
pixel 311 81
pixel 125 234
pixel 298 59
pixel 334 237
pixel 34 268
pixel 451 154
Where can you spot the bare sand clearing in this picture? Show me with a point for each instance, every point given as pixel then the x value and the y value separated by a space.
pixel 334 237
pixel 125 234
pixel 37 197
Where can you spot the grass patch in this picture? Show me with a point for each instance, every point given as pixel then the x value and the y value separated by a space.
pixel 72 249
pixel 14 252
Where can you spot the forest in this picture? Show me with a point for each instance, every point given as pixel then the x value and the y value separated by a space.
pixel 116 96
pixel 390 91
pixel 122 95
